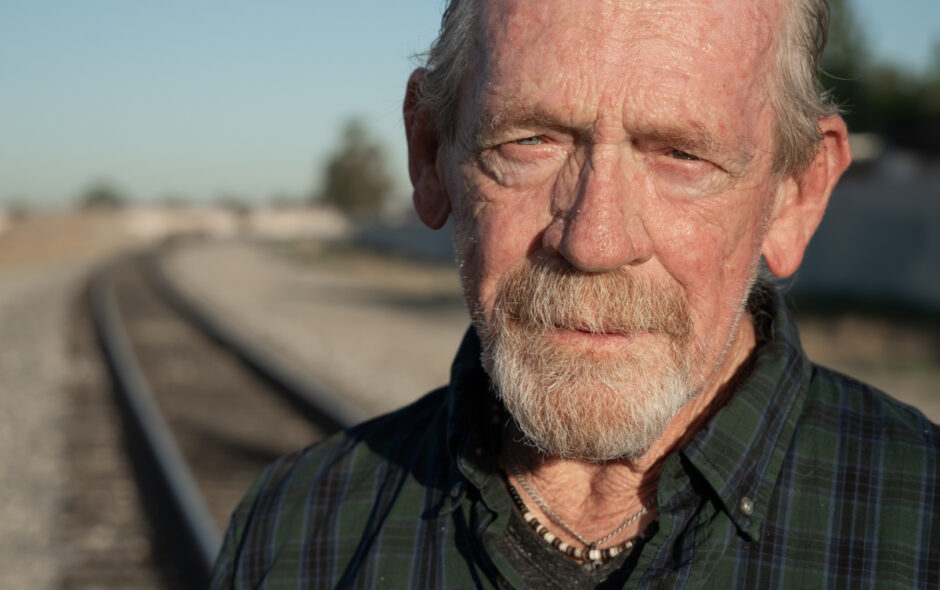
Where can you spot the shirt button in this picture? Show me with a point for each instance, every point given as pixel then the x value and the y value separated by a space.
pixel 746 506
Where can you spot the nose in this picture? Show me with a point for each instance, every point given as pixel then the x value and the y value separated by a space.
pixel 603 228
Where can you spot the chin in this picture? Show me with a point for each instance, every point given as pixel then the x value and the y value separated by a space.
pixel 588 405
pixel 591 366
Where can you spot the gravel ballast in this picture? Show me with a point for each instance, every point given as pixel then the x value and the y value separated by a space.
pixel 33 373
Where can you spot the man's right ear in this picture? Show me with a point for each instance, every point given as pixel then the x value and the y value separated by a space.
pixel 430 197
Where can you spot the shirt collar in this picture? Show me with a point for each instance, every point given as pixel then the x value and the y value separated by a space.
pixel 471 408
pixel 739 452
pixel 741 449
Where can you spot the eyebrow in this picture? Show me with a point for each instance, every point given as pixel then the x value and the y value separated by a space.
pixel 692 136
pixel 514 115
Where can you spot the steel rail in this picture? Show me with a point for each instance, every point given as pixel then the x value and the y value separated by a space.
pixel 314 400
pixel 163 461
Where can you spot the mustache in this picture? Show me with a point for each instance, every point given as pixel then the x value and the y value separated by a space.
pixel 553 295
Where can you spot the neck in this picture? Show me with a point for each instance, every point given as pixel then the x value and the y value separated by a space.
pixel 594 499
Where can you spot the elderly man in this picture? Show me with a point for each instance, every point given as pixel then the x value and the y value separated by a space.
pixel 631 407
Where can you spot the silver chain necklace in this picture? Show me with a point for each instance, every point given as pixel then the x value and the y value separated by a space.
pixel 557 519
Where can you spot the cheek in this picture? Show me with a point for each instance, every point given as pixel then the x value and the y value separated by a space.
pixel 709 249
pixel 495 235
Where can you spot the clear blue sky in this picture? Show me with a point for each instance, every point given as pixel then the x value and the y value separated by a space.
pixel 210 98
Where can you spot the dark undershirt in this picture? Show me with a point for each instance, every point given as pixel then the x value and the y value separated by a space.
pixel 543 566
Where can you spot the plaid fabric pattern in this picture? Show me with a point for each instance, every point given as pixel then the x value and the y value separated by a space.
pixel 806 479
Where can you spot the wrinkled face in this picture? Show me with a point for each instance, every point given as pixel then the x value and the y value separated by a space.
pixel 605 139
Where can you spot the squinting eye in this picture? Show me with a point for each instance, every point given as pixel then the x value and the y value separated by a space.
pixel 529 141
pixel 680 155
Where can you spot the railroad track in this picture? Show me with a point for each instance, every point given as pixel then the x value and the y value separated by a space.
pixel 204 408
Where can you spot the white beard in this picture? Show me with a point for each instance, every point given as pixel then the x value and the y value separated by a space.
pixel 580 403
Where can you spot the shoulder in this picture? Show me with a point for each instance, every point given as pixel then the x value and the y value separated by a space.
pixel 850 409
pixel 348 460
pixel 394 437
pixel 858 494
pixel 874 456
pixel 330 497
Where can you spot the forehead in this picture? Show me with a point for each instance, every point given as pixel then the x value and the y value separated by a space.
pixel 706 59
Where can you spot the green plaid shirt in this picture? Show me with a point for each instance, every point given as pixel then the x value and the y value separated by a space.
pixel 806 479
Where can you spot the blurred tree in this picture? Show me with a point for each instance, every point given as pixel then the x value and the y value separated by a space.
pixel 285 201
pixel 355 177
pixel 18 208
pixel 102 195
pixel 845 56
pixel 236 204
pixel 845 61
pixel 174 201
pixel 902 107
pixel 929 102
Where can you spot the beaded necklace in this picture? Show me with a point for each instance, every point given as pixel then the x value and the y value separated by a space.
pixel 592 551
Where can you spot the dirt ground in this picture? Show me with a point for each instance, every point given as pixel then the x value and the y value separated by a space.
pixel 323 299
pixel 44 260
pixel 379 331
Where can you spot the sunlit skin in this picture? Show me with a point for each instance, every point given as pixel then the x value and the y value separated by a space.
pixel 622 134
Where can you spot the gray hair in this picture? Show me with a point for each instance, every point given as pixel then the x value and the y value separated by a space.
pixel 795 92
pixel 447 61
